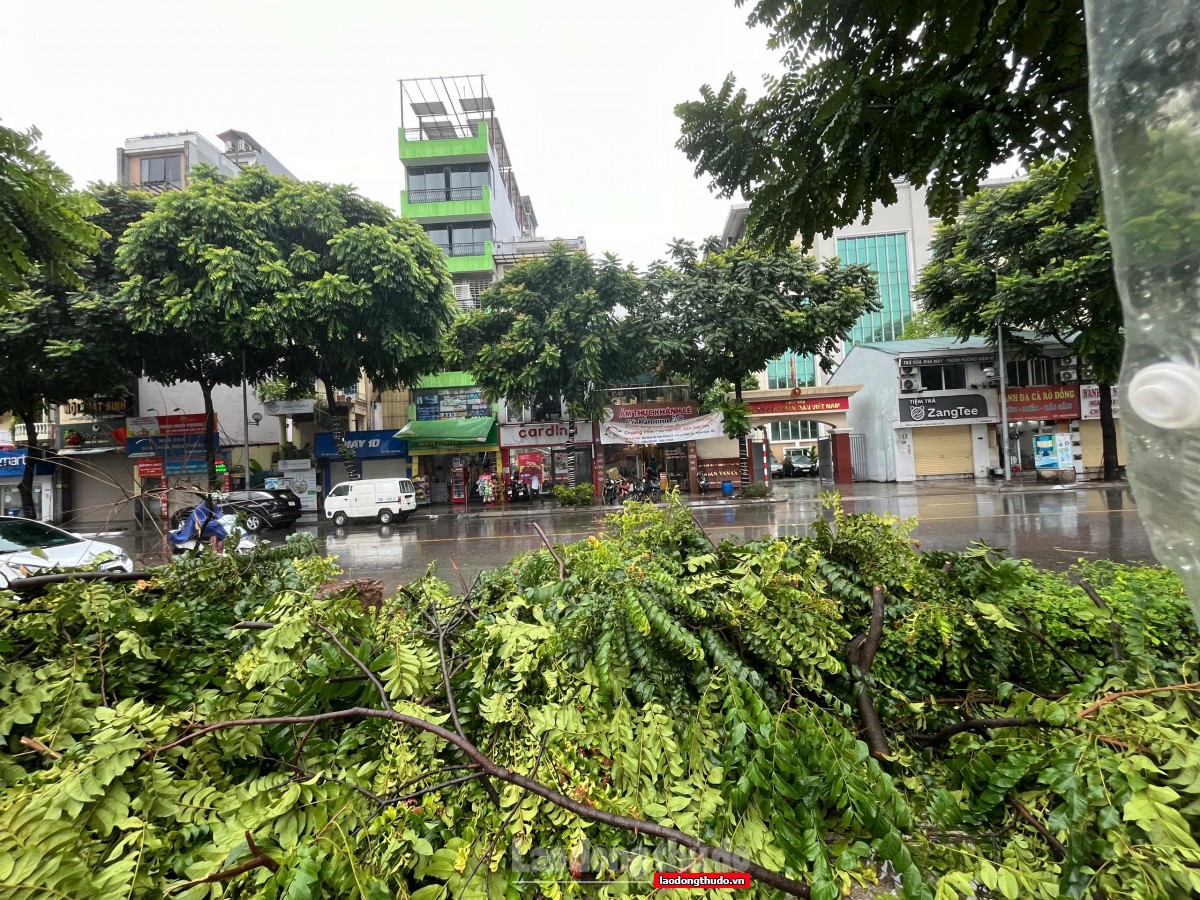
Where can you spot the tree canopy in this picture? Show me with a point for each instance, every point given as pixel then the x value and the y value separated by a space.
pixel 550 329
pixel 61 343
pixel 44 228
pixel 307 280
pixel 1016 257
pixel 716 315
pixel 932 91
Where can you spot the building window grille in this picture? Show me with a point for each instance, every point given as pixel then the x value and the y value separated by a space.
pixel 161 170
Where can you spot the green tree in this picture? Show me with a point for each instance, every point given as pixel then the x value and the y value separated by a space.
pixel 933 91
pixel 260 275
pixel 723 314
pixel 551 329
pixel 58 343
pixel 1019 260
pixel 925 324
pixel 45 235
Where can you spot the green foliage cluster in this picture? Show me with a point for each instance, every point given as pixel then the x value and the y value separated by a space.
pixel 580 495
pixel 755 491
pixel 695 686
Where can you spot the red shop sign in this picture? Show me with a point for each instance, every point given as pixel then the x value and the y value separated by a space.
pixel 1059 401
pixel 798 405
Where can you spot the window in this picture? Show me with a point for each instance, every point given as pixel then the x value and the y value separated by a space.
pixel 342 490
pixel 798 430
pixel 461 238
pixel 161 169
pixel 458 178
pixel 944 378
pixel 791 370
pixel 887 256
pixel 1027 372
pixel 17 535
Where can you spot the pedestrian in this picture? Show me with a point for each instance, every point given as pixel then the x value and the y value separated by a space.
pixel 535 485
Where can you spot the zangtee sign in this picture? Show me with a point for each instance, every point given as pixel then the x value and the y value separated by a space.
pixel 942 409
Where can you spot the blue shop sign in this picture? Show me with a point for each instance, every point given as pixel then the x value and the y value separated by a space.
pixel 366 444
pixel 12 464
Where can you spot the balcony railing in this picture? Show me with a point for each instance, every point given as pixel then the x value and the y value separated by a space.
pixel 43 430
pixel 441 130
pixel 441 195
pixel 478 248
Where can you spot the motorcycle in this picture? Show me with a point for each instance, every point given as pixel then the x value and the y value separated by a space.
pixel 207 521
pixel 517 491
pixel 647 490
pixel 702 482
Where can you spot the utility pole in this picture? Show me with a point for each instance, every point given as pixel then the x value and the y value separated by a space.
pixel 245 426
pixel 1006 463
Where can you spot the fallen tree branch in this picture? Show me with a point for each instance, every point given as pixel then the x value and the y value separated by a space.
pixel 1114 626
pixel 251 625
pixel 950 731
pixel 861 655
pixel 1055 844
pixel 705 850
pixel 562 570
pixel 35 744
pixel 258 861
pixel 362 666
pixel 35 584
pixel 1112 698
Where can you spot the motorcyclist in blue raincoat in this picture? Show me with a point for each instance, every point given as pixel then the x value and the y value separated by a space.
pixel 203 523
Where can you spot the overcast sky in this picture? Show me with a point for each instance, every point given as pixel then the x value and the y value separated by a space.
pixel 584 92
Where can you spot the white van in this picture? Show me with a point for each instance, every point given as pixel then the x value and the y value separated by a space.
pixel 383 499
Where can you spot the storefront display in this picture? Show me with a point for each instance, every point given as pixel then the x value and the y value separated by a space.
pixel 436 404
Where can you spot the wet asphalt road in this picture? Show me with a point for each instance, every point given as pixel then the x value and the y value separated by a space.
pixel 1054 526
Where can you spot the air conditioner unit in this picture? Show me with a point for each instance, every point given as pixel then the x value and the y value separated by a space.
pixel 462 291
pixel 910 385
pixel 516 415
pixel 909 371
pixel 1068 362
pixel 1066 376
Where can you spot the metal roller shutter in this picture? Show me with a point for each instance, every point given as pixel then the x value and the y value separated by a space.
pixel 1091 442
pixel 944 450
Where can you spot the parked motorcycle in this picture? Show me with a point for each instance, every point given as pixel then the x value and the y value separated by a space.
pixel 702 482
pixel 612 489
pixel 517 491
pixel 648 490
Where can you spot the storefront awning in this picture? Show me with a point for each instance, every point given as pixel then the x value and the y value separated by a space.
pixel 480 430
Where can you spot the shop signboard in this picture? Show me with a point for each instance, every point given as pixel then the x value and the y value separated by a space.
pixel 949 359
pixel 695 429
pixel 798 405
pixel 177 440
pixel 544 434
pixel 1089 397
pixel 658 413
pixel 1059 401
pixel 156 467
pixel 365 444
pixel 450 403
pixel 944 408
pixel 289 407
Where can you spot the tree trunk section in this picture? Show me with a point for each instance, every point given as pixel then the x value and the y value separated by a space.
pixel 32 455
pixel 1108 433
pixel 569 446
pixel 210 435
pixel 338 433
pixel 743 444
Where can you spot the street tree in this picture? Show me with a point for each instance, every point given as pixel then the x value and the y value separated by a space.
pixel 717 315
pixel 45 232
pixel 1019 260
pixel 60 343
pixel 552 331
pixel 260 276
pixel 933 91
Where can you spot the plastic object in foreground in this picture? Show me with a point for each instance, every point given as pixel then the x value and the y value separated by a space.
pixel 1144 67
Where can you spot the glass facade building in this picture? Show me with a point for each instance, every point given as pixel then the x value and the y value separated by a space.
pixel 887 256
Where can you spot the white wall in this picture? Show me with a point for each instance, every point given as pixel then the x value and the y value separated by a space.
pixel 909 214
pixel 874 410
pixel 185 397
pixel 504 218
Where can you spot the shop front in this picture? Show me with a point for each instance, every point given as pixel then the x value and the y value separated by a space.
pixel 946 434
pixel 1036 414
pixel 377 454
pixel 12 470
pixel 456 460
pixel 1091 438
pixel 537 454
pixel 657 441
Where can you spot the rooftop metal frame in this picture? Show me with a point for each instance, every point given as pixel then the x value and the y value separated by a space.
pixel 450 106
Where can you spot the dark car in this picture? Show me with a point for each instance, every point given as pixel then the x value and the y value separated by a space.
pixel 273 508
pixel 802 464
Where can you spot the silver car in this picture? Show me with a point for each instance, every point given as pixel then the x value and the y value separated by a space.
pixel 28 547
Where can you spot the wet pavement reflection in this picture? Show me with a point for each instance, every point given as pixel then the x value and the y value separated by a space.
pixel 1053 526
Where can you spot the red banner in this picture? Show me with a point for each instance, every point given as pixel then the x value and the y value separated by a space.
pixel 1059 401
pixel 798 405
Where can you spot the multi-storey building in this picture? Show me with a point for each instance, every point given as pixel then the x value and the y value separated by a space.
pixel 895 244
pixel 163 162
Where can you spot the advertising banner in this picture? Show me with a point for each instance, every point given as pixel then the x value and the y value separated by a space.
pixel 289 407
pixel 365 444
pixel 1060 401
pixel 695 429
pixel 659 413
pixel 177 440
pixel 300 477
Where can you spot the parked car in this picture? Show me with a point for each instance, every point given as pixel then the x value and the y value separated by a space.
pixel 776 468
pixel 28 546
pixel 383 499
pixel 803 464
pixel 274 508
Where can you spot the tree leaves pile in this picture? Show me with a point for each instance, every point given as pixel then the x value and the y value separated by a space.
pixel 705 688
